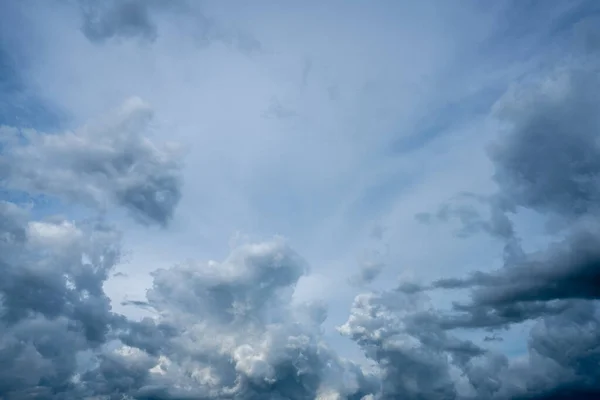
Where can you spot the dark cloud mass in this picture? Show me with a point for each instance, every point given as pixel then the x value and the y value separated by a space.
pixel 52 302
pixel 548 162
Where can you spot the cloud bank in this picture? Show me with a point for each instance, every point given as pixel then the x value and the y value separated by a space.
pixel 234 328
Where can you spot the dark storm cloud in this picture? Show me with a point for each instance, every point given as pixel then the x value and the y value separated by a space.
pixel 111 162
pixel 547 161
pixel 567 270
pixel 550 160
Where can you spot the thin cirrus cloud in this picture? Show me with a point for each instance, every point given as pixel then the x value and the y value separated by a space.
pixel 293 318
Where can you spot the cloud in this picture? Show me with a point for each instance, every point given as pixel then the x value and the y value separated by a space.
pixel 416 357
pixel 234 329
pixel 127 19
pixel 52 303
pixel 232 332
pixel 109 162
pixel 546 161
pixel 222 330
pixel 549 161
pixel 368 272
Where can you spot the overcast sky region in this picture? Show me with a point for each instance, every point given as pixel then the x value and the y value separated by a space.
pixel 332 200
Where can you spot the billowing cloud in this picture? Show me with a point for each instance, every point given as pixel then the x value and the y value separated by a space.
pixel 233 329
pixel 228 330
pixel 546 162
pixel 108 162
pixel 52 302
pixel 222 330
pixel 549 161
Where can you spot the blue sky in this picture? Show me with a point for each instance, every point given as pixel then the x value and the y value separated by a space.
pixel 330 124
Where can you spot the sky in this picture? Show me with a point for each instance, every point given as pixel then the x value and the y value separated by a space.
pixel 299 200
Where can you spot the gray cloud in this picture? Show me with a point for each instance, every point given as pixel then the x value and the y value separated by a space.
pixel 367 273
pixel 222 330
pixel 233 323
pixel 127 19
pixel 416 356
pixel 230 330
pixel 110 162
pixel 547 161
pixel 477 214
pixel 52 304
pixel 575 263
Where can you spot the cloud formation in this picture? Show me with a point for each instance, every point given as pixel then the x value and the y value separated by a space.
pixel 222 330
pixel 233 329
pixel 547 163
pixel 108 162
pixel 127 19
pixel 53 307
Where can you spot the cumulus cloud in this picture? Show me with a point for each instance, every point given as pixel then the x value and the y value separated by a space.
pixel 108 162
pixel 221 330
pixel 230 329
pixel 51 299
pixel 545 162
pixel 549 160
